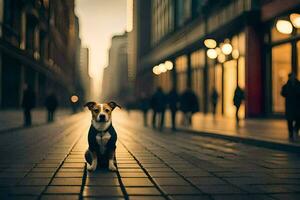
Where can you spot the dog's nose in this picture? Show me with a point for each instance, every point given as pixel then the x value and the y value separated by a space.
pixel 101 118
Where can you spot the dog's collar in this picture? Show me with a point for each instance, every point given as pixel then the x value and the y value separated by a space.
pixel 102 131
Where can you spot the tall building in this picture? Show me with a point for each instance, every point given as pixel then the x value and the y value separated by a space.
pixel 37 48
pixel 253 44
pixel 115 82
pixel 84 72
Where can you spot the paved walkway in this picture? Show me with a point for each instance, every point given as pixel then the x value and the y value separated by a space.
pixel 265 130
pixel 47 162
pixel 13 119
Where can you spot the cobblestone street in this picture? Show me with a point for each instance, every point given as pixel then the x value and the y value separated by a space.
pixel 47 162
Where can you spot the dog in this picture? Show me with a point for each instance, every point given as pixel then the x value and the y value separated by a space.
pixel 102 136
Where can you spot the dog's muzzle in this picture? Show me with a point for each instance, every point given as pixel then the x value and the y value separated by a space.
pixel 102 118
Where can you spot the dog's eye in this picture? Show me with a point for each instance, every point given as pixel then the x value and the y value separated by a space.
pixel 107 110
pixel 96 111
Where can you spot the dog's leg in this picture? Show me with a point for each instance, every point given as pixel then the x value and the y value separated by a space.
pixel 111 164
pixel 91 159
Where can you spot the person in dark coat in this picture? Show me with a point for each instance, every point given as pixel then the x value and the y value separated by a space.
pixel 291 92
pixel 214 100
pixel 189 105
pixel 158 105
pixel 51 104
pixel 239 97
pixel 144 107
pixel 172 102
pixel 28 103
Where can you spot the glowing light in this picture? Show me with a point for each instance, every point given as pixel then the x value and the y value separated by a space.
pixel 156 70
pixel 210 43
pixel 162 68
pixel 284 27
pixel 221 58
pixel 212 53
pixel 295 19
pixel 218 50
pixel 235 54
pixel 129 25
pixel 226 48
pixel 168 65
pixel 74 99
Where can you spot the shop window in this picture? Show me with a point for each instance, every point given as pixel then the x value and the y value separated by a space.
pixel 181 70
pixel 218 85
pixel 230 83
pixel 281 67
pixel 242 43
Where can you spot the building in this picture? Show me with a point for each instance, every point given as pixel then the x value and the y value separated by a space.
pixel 115 83
pixel 37 48
pixel 253 44
pixel 84 73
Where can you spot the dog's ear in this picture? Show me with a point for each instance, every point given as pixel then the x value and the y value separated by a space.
pixel 113 105
pixel 90 104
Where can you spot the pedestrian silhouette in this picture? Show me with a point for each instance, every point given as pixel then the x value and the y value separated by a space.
pixel 291 92
pixel 173 105
pixel 28 103
pixel 188 105
pixel 214 100
pixel 144 107
pixel 158 105
pixel 239 97
pixel 51 104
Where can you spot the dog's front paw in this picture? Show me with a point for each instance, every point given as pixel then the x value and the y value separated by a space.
pixel 111 166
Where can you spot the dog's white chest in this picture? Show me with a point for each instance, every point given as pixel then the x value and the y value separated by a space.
pixel 102 139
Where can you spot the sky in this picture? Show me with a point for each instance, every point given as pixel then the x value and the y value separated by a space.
pixel 99 20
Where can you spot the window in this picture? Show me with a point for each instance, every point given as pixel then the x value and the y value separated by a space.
pixel 181 70
pixel 281 67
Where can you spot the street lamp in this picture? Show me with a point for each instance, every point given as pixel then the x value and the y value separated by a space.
pixel 226 48
pixel 235 54
pixel 210 43
pixel 156 70
pixel 284 26
pixel 295 19
pixel 168 65
pixel 212 53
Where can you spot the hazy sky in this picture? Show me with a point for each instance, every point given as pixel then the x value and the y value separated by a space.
pixel 99 21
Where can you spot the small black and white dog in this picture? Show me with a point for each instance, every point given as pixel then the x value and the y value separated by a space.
pixel 102 136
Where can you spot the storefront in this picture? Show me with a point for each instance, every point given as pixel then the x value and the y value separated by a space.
pixel 283 56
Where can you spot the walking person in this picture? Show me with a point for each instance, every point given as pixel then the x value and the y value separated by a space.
pixel 28 103
pixel 144 106
pixel 189 105
pixel 291 92
pixel 172 102
pixel 51 104
pixel 239 97
pixel 214 100
pixel 158 105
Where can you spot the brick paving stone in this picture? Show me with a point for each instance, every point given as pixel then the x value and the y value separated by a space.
pixel 163 174
pixel 182 190
pixel 142 191
pixel 147 198
pixel 73 165
pixel 66 181
pixel 59 197
pixel 207 181
pixel 26 190
pixel 220 189
pixel 103 191
pixel 106 198
pixel 9 181
pixel 137 182
pixel 48 165
pixel 171 181
pixel 34 181
pixel 242 197
pixel 125 165
pixel 20 197
pixel 191 197
pixel 40 174
pixel 132 174
pixel 63 190
pixel 102 174
pixel 12 175
pixel 162 169
pixel 70 174
pixel 90 181
pixel 70 169
pixel 131 170
pixel 44 169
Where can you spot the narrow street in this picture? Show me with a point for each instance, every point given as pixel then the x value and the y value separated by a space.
pixel 47 162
